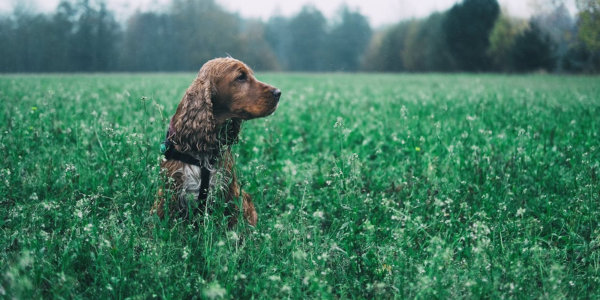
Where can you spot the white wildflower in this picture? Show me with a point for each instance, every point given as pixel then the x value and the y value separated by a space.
pixel 214 291
pixel 70 168
pixel 232 235
pixel 339 123
pixel 299 255
pixel 318 214
pixel 186 253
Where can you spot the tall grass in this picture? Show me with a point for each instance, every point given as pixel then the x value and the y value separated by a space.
pixel 391 186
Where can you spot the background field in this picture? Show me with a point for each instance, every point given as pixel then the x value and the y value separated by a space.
pixel 366 186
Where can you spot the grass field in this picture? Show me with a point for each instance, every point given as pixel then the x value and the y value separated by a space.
pixel 386 186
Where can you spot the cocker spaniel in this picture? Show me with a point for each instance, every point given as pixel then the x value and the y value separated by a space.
pixel 197 147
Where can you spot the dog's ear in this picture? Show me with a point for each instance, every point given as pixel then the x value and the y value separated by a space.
pixel 193 123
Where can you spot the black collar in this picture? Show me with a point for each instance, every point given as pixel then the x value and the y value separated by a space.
pixel 168 150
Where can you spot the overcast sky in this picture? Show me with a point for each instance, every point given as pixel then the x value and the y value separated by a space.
pixel 379 12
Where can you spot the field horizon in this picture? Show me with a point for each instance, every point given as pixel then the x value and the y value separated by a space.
pixel 366 186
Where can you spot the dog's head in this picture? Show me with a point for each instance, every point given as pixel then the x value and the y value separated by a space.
pixel 225 89
pixel 236 92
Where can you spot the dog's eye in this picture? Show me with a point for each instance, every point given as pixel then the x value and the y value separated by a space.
pixel 242 77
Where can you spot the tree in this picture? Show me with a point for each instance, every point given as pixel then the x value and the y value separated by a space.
pixel 385 51
pixel 502 40
pixel 424 46
pixel 278 37
pixel 94 38
pixel 307 33
pixel 533 50
pixel 256 51
pixel 149 43
pixel 580 59
pixel 62 44
pixel 348 40
pixel 467 28
pixel 7 52
pixel 107 38
pixel 557 23
pixel 202 30
pixel 589 26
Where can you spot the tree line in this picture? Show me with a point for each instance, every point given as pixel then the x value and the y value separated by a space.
pixel 476 36
pixel 472 36
pixel 83 35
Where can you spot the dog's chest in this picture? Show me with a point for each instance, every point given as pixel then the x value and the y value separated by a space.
pixel 192 180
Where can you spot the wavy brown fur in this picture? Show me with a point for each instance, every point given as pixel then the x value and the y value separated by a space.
pixel 205 125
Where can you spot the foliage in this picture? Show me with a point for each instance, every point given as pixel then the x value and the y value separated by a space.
pixel 467 29
pixel 416 45
pixel 589 29
pixel 193 32
pixel 367 186
pixel 307 40
pixel 560 28
pixel 256 50
pixel 580 59
pixel 472 36
pixel 425 48
pixel 456 40
pixel 83 36
pixel 203 31
pixel 347 41
pixel 276 34
pixel 502 40
pixel 465 38
pixel 533 50
pixel 80 36
pixel 385 51
pixel 148 37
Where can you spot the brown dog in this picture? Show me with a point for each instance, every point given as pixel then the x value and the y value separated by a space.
pixel 198 144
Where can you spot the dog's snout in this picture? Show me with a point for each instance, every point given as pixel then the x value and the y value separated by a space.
pixel 276 93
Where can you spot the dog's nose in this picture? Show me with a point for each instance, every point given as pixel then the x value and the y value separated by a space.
pixel 276 93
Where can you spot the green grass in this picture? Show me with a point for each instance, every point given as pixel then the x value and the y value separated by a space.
pixel 387 186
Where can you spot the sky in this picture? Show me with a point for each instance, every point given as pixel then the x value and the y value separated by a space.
pixel 379 12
